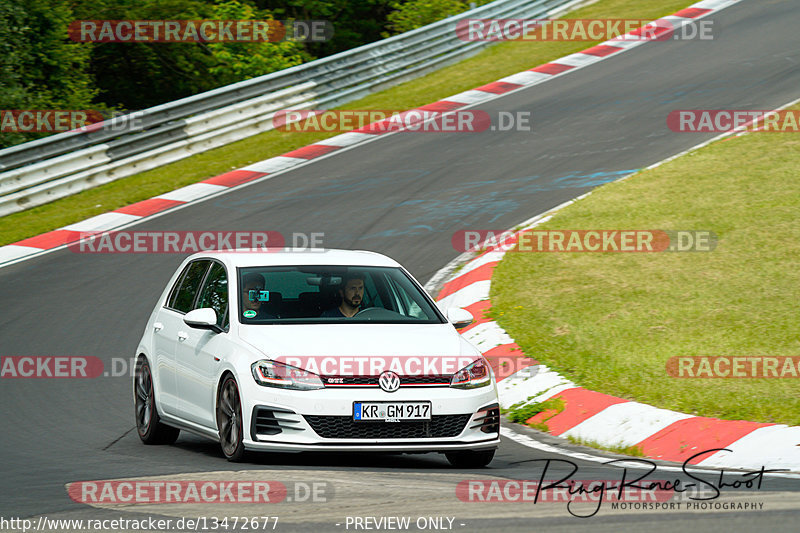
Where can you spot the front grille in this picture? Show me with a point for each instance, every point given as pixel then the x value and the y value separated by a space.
pixel 344 427
pixel 372 381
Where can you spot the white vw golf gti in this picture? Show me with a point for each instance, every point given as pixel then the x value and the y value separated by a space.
pixel 312 350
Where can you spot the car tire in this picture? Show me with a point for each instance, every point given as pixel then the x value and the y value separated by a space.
pixel 148 424
pixel 470 459
pixel 229 420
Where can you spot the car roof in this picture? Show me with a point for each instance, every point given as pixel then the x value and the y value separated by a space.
pixel 249 257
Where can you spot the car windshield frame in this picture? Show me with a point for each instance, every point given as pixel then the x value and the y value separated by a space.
pixel 391 283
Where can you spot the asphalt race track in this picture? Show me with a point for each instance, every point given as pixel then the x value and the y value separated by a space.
pixel 403 195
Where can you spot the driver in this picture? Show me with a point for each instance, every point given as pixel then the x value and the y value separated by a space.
pixel 352 293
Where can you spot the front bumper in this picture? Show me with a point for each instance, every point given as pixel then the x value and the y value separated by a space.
pixel 277 419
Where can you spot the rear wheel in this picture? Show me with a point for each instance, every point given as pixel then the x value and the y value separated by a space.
pixel 470 459
pixel 148 424
pixel 229 420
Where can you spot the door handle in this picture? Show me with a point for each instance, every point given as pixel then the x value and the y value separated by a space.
pixel 182 335
pixel 158 326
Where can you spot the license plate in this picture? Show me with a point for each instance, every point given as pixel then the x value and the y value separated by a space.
pixel 391 411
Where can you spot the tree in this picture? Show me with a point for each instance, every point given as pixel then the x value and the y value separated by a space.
pixel 354 22
pixel 141 75
pixel 41 68
pixel 412 14
pixel 240 61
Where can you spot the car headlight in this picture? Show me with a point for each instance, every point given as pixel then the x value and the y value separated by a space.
pixel 476 374
pixel 273 374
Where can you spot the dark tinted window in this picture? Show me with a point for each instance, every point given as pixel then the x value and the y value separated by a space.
pixel 173 293
pixel 215 293
pixel 190 284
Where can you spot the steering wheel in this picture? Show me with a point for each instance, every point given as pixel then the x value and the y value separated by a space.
pixel 367 310
pixel 376 313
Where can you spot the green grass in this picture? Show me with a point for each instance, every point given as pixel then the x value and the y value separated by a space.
pixel 635 451
pixel 521 412
pixel 611 321
pixel 493 63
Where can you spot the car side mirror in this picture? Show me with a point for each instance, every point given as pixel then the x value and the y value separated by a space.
pixel 460 318
pixel 205 318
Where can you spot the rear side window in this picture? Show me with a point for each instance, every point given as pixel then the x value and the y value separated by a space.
pixel 215 294
pixel 182 299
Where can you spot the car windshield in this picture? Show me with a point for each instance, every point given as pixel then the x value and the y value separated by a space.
pixel 332 294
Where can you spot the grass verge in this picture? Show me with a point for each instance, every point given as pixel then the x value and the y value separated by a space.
pixel 635 451
pixel 522 412
pixel 610 321
pixel 493 63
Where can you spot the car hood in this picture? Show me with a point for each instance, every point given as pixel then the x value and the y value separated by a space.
pixel 371 340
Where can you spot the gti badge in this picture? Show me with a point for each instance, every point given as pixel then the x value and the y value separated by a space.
pixel 389 381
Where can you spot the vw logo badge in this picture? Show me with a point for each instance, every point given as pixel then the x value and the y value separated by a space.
pixel 389 381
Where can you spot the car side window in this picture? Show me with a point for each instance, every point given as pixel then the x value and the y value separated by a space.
pixel 173 293
pixel 190 284
pixel 406 306
pixel 215 293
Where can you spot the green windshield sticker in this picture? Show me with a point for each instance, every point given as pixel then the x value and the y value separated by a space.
pixel 249 313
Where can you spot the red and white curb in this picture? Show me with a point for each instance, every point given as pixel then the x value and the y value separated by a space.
pixel 594 416
pixel 132 214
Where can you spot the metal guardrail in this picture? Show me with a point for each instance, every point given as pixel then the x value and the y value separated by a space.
pixel 46 169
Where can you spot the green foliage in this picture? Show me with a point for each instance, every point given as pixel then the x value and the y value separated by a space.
pixel 140 75
pixel 412 14
pixel 355 23
pixel 41 68
pixel 521 412
pixel 634 450
pixel 240 61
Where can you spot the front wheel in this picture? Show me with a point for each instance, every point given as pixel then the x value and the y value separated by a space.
pixel 229 420
pixel 148 424
pixel 470 459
